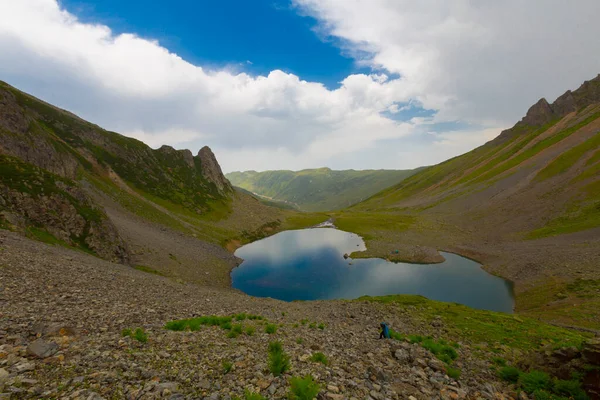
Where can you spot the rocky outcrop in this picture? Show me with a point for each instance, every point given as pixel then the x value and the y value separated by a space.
pixel 538 114
pixel 542 112
pixel 56 210
pixel 211 170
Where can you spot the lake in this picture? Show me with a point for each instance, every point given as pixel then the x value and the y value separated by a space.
pixel 308 264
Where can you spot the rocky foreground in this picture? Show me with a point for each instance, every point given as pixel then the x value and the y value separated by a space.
pixel 63 313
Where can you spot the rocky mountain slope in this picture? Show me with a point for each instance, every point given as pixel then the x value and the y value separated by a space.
pixel 66 181
pixel 76 327
pixel 318 189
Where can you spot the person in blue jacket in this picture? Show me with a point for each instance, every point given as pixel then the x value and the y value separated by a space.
pixel 384 331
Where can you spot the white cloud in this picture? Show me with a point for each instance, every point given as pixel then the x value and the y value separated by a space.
pixel 481 64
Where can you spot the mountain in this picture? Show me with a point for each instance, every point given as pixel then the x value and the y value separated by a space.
pixel 526 205
pixel 79 322
pixel 66 181
pixel 317 189
pixel 546 168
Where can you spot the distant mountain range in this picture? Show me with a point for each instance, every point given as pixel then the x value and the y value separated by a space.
pixel 319 189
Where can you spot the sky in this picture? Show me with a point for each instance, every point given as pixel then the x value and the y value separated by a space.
pixel 293 84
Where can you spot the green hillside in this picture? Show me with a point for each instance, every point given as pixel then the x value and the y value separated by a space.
pixel 318 189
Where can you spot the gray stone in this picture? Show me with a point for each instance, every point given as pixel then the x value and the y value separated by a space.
pixel 402 356
pixel 41 348
pixel 24 367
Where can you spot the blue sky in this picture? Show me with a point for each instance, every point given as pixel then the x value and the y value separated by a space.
pixel 294 84
pixel 256 36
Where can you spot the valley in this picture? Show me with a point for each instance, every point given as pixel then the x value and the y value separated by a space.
pixel 318 189
pixel 102 236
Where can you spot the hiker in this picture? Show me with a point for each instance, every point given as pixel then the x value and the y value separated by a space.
pixel 384 331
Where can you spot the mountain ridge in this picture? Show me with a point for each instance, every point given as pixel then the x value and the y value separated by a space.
pixel 318 189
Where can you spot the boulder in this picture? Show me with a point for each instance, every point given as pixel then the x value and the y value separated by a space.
pixel 41 348
pixel 591 352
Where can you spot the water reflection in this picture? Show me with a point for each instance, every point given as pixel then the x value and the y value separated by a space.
pixel 308 265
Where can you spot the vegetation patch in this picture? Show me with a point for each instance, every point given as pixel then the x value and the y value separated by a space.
pixel 481 326
pixel 279 361
pixel 248 395
pixel 303 388
pixel 567 159
pixel 149 270
pixel 227 366
pixel 453 373
pixel 319 357
pixel 542 386
pixel 270 329
pixel 138 334
pixel 194 324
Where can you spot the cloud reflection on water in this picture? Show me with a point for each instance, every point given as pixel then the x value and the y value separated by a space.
pixel 308 264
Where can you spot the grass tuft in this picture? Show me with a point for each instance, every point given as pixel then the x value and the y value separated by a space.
pixel 303 388
pixel 320 358
pixel 453 373
pixel 279 361
pixel 227 366
pixel 270 329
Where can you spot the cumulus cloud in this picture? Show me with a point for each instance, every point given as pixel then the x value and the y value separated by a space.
pixel 482 64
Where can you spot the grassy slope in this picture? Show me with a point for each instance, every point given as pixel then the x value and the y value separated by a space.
pixel 482 167
pixel 318 189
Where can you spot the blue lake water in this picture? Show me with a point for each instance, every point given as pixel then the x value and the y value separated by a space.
pixel 308 264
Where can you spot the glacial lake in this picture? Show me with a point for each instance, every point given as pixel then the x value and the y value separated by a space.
pixel 308 264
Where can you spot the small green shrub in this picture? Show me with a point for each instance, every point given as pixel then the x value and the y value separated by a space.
pixel 299 340
pixel 312 325
pixel 254 317
pixel 279 362
pixel 250 330
pixel 545 395
pixel 237 328
pixel 253 396
pixel 499 361
pixel 441 350
pixel 271 328
pixel 283 313
pixel 303 388
pixel 319 357
pixel 453 373
pixel 226 325
pixel 140 335
pixel 509 374
pixel 303 321
pixel 226 366
pixel 240 317
pixel 571 389
pixel 534 380
pixel 321 326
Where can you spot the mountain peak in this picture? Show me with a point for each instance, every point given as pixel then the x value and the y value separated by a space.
pixel 211 170
pixel 542 112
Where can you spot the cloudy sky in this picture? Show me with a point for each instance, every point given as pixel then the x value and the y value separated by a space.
pixel 291 84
